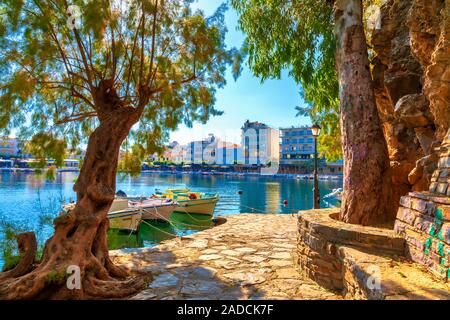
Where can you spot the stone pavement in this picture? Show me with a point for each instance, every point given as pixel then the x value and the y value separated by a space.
pixel 248 257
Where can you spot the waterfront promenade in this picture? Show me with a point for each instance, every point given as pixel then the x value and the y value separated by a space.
pixel 248 257
pixel 252 256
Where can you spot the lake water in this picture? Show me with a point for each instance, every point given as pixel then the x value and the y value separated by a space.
pixel 29 203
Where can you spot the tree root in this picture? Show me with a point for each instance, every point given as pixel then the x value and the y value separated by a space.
pixel 99 277
pixel 100 289
pixel 27 249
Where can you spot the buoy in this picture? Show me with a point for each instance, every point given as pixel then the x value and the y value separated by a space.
pixel 285 203
pixel 192 196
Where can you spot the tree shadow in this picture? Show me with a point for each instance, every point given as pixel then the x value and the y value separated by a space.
pixel 175 278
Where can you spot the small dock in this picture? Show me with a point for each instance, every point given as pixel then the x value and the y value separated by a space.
pixel 248 257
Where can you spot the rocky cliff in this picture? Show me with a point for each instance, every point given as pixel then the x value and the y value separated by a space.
pixel 411 71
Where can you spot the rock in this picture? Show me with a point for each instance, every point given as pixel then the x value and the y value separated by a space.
pixel 426 137
pixel 280 263
pixel 203 273
pixel 245 278
pixel 287 273
pixel 413 110
pixel 208 257
pixel 411 71
pixel 245 250
pixel 198 244
pixel 280 255
pixel 209 251
pixel 226 264
pixel 144 295
pixel 255 259
pixel 233 253
pixel 194 287
pixel 164 280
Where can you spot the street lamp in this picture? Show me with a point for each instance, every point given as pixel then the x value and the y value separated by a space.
pixel 316 193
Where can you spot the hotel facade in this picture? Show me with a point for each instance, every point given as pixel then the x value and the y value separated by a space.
pixel 260 143
pixel 297 145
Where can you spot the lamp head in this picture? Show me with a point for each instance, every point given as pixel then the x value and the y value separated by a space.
pixel 316 130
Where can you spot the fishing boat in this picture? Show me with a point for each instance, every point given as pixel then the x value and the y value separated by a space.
pixel 127 212
pixel 120 215
pixel 192 202
pixel 128 219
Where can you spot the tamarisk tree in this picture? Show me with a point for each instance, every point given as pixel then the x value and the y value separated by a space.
pixel 102 69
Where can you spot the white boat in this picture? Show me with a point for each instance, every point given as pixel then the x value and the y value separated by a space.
pixel 336 194
pixel 204 206
pixel 128 219
pixel 127 212
pixel 155 209
pixel 120 215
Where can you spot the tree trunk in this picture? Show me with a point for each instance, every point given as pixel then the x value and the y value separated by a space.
pixel 80 236
pixel 367 183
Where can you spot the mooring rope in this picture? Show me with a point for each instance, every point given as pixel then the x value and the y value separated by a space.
pixel 172 224
pixel 193 218
pixel 168 233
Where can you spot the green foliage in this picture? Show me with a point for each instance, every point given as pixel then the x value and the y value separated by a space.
pixel 131 162
pixel 10 254
pixel 43 146
pixel 297 36
pixel 55 276
pixel 162 58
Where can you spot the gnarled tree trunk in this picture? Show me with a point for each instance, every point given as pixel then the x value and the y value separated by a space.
pixel 80 236
pixel 367 184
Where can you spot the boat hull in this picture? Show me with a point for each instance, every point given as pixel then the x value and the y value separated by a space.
pixel 158 213
pixel 197 206
pixel 125 220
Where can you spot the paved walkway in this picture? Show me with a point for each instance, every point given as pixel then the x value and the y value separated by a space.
pixel 248 257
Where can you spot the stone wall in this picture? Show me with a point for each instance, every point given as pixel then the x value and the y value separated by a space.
pixel 423 219
pixel 411 71
pixel 321 243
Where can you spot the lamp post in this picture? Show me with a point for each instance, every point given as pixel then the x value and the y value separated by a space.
pixel 316 192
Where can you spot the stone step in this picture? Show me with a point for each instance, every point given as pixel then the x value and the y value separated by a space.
pixel 369 275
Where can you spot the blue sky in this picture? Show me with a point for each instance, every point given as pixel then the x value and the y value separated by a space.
pixel 272 102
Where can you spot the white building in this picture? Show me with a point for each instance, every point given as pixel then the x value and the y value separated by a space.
pixel 210 150
pixel 228 153
pixel 9 146
pixel 261 143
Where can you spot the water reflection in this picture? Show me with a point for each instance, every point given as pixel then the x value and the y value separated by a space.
pixel 152 232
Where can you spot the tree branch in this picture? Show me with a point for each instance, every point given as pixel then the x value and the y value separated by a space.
pixel 76 117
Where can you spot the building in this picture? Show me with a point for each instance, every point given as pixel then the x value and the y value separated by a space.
pixel 9 147
pixel 213 150
pixel 228 153
pixel 336 167
pixel 297 144
pixel 202 151
pixel 261 143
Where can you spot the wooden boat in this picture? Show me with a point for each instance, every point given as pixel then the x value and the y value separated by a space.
pixel 155 209
pixel 128 219
pixel 127 212
pixel 193 202
pixel 120 215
